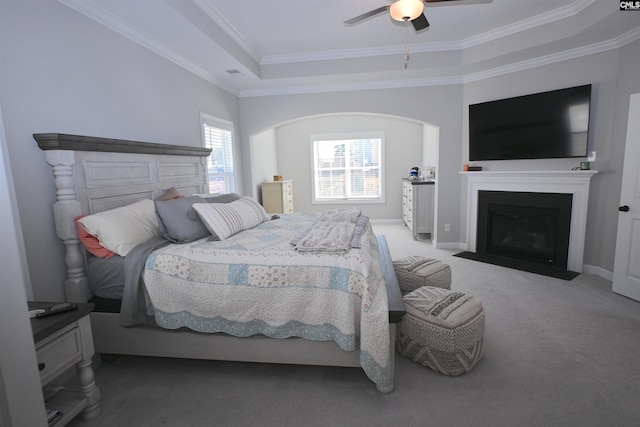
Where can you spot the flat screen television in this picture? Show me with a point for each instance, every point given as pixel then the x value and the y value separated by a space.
pixel 545 125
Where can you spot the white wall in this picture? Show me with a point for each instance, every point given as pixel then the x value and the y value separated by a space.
pixel 62 72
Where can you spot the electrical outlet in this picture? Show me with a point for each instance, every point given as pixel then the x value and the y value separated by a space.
pixel 447 227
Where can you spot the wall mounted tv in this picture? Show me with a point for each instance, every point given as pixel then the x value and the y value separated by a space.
pixel 546 125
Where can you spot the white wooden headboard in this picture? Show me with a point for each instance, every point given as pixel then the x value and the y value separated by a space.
pixel 96 174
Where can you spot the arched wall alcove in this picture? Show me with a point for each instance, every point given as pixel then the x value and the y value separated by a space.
pixel 285 149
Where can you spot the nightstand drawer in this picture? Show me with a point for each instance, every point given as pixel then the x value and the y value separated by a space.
pixel 59 353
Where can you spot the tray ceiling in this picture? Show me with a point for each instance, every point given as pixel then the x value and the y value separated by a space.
pixel 265 47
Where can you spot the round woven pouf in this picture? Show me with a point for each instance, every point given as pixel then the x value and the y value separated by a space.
pixel 442 329
pixel 414 272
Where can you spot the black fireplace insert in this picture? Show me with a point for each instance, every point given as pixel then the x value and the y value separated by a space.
pixel 524 230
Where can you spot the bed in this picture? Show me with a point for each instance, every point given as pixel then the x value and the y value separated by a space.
pixel 99 175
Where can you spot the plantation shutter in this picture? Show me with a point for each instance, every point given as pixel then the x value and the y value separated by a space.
pixel 218 135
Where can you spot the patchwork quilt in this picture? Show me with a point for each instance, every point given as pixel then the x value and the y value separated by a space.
pixel 256 282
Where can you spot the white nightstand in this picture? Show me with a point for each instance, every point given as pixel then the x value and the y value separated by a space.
pixel 63 341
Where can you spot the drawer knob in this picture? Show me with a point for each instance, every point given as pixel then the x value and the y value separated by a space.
pixel 41 366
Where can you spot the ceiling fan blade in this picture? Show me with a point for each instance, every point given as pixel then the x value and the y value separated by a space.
pixel 420 23
pixel 364 16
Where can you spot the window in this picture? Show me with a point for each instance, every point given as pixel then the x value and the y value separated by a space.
pixel 348 167
pixel 217 134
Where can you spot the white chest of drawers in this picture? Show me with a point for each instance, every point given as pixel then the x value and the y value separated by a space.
pixel 418 206
pixel 277 196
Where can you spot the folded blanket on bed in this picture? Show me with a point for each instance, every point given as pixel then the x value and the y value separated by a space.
pixel 356 240
pixel 333 232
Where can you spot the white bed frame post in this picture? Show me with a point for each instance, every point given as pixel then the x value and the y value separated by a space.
pixel 64 211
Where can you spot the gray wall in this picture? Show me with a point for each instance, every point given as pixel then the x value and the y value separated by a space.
pixel 600 70
pixel 264 160
pixel 62 72
pixel 403 150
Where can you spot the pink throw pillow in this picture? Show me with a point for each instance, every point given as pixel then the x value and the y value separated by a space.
pixel 170 194
pixel 91 243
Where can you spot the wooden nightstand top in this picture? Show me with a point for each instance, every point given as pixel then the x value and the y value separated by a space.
pixel 45 326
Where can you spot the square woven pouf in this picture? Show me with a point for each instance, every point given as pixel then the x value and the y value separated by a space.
pixel 414 272
pixel 442 329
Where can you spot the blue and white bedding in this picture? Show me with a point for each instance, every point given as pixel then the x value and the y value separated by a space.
pixel 256 282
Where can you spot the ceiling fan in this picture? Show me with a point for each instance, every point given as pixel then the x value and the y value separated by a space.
pixel 400 10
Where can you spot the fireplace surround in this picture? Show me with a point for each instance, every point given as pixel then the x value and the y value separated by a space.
pixel 574 183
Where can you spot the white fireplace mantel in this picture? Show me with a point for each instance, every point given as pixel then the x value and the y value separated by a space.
pixel 575 182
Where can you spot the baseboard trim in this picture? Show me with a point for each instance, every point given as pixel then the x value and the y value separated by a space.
pixel 449 245
pixel 598 271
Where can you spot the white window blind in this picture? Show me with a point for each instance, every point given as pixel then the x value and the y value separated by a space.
pixel 217 134
pixel 348 167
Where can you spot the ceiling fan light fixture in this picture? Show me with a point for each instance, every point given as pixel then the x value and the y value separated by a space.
pixel 406 10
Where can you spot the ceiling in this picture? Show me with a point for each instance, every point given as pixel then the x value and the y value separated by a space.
pixel 270 47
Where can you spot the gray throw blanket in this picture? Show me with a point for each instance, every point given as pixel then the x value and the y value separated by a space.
pixel 333 232
pixel 134 304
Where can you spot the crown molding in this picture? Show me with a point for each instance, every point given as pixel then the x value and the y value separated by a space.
pixel 348 87
pixel 212 12
pixel 461 79
pixel 92 10
pixel 505 31
pixel 330 55
pixel 527 24
pixel 540 61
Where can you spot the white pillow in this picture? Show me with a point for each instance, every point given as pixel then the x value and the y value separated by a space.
pixel 226 219
pixel 122 229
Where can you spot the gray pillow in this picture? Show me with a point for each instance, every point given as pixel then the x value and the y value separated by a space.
pixel 223 198
pixel 178 223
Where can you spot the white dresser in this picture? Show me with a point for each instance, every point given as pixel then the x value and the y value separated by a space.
pixel 277 196
pixel 418 205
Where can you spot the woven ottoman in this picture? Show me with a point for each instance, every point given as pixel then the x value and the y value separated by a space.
pixel 414 272
pixel 442 329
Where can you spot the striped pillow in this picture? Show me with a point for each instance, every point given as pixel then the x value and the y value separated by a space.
pixel 226 219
